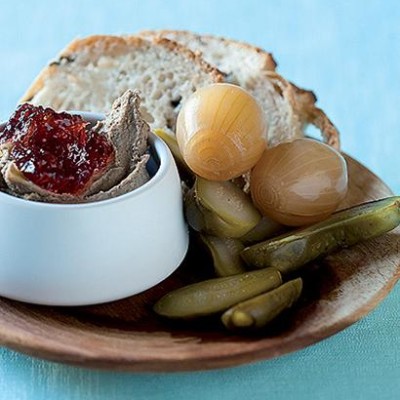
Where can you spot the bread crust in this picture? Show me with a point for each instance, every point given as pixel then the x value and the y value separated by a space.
pixel 268 61
pixel 305 105
pixel 303 101
pixel 116 45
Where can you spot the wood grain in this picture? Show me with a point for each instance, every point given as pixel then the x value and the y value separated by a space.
pixel 126 335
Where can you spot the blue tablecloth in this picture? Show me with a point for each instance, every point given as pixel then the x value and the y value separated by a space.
pixel 348 52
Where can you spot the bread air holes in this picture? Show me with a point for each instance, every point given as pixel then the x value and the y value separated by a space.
pixel 121 76
pixel 175 103
pixel 171 123
pixel 157 94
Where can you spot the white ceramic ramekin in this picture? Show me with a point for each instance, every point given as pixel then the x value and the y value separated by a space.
pixel 64 254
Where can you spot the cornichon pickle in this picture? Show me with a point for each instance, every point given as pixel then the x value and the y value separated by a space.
pixel 185 172
pixel 225 253
pixel 220 209
pixel 228 203
pixel 203 220
pixel 344 228
pixel 194 215
pixel 265 229
pixel 172 143
pixel 260 310
pixel 216 295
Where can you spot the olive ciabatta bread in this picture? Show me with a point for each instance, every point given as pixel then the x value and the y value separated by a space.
pixel 92 72
pixel 166 67
pixel 288 108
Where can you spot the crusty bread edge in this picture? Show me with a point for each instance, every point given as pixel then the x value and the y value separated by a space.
pixel 304 103
pixel 108 42
pixel 269 62
pixel 304 100
pixel 73 47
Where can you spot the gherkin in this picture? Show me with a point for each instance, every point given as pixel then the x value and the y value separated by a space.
pixel 258 311
pixel 216 295
pixel 220 209
pixel 291 251
pixel 225 253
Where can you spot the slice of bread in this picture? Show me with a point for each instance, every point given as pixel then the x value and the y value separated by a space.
pixel 238 60
pixel 92 72
pixel 289 109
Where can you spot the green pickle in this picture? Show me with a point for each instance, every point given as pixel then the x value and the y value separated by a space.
pixel 220 209
pixel 203 220
pixel 260 310
pixel 225 253
pixel 194 214
pixel 172 143
pixel 186 173
pixel 291 251
pixel 216 295
pixel 265 229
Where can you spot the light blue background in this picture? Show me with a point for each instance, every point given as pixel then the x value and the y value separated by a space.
pixel 348 52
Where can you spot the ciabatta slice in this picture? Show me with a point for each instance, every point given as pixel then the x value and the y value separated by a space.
pixel 288 108
pixel 92 72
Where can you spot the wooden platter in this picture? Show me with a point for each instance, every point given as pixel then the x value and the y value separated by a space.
pixel 126 335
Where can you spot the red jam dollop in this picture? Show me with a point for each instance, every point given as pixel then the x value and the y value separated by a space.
pixel 56 151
